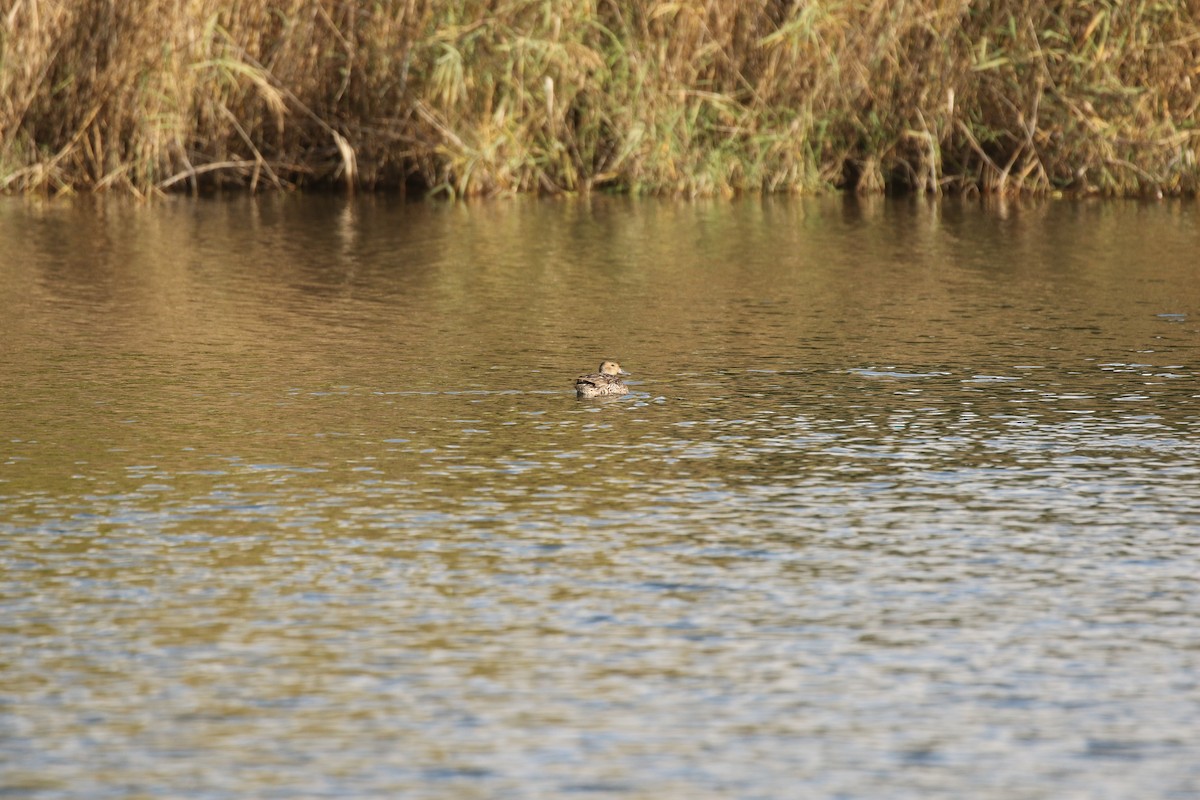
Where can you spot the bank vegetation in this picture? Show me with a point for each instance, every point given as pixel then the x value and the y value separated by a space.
pixel 470 97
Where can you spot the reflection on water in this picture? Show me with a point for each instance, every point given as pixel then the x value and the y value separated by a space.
pixel 296 500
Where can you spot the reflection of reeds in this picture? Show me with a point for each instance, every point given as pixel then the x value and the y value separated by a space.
pixel 706 97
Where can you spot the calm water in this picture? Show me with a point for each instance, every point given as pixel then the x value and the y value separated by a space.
pixel 296 500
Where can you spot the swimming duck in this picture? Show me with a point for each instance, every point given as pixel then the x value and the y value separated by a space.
pixel 604 383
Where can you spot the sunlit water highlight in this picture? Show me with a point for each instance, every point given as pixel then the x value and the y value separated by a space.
pixel 296 500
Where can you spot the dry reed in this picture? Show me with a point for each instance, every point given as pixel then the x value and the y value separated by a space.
pixel 701 97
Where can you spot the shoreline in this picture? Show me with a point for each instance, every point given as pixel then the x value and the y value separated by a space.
pixel 641 98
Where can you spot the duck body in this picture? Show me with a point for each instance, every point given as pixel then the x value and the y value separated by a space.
pixel 606 382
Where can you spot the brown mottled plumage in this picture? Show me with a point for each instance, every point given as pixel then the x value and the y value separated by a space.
pixel 604 383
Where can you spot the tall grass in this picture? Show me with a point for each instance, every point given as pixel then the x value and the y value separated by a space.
pixel 691 97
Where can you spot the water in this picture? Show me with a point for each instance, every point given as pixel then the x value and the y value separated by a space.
pixel 296 500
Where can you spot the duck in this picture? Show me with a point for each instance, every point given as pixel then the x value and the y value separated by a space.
pixel 605 382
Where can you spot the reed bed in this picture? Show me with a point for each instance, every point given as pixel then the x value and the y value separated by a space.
pixel 470 97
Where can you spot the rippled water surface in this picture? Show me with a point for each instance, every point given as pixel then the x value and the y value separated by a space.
pixel 296 500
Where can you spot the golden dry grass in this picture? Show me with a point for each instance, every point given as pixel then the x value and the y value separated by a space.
pixel 702 97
